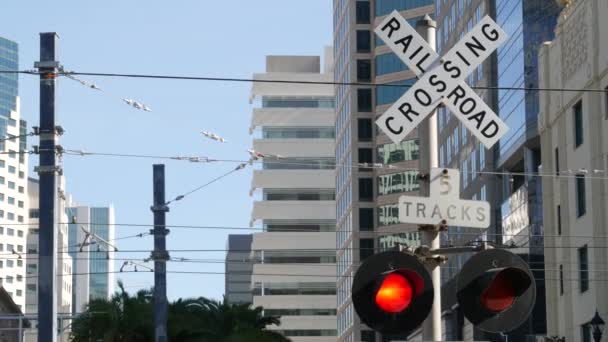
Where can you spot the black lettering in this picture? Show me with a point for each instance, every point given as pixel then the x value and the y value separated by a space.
pixel 468 111
pixel 407 208
pixel 416 52
pixel 478 118
pixel 419 64
pixel 458 92
pixel 463 59
pixel 447 68
pixel 492 35
pixel 427 99
pixel 473 47
pixel 465 212
pixel 450 216
pixel 389 119
pixel 438 82
pixel 420 207
pixel 481 214
pixel 436 212
pixel 407 112
pixel 405 41
pixel 491 124
pixel 390 24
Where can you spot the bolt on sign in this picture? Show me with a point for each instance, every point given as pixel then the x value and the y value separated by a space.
pixel 444 204
pixel 441 80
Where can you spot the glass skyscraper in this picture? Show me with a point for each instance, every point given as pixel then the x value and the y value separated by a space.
pixel 93 267
pixel 515 198
pixel 9 60
pixel 367 215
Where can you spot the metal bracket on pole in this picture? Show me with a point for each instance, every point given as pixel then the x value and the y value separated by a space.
pixel 439 227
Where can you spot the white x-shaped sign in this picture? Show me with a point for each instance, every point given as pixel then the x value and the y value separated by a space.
pixel 444 82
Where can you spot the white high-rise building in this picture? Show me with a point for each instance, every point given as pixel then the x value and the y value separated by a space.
pixel 64 260
pixel 294 258
pixel 14 204
pixel 574 144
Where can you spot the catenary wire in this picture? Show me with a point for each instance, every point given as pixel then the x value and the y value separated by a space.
pixel 251 80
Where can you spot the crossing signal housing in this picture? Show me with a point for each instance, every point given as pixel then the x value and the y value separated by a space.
pixel 392 292
pixel 496 290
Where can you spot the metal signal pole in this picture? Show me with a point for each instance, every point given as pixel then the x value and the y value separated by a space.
pixel 431 330
pixel 160 254
pixel 47 171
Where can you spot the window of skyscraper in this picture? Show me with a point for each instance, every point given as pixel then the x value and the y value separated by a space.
pixel 364 41
pixel 363 12
pixel 364 99
pixel 388 215
pixel 581 206
pixel 406 181
pixel 390 94
pixel 583 266
pixel 395 153
pixel 561 279
pixel 364 70
pixel 389 63
pixel 364 129
pixel 366 248
pixel 384 7
pixel 559 220
pixel 606 103
pixel 586 332
pixel 577 113
pixel 366 189
pixel 366 219
pixel 365 156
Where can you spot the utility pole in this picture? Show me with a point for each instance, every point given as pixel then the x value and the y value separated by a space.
pixel 431 330
pixel 47 172
pixel 160 254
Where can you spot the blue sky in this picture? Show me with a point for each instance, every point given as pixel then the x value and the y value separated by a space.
pixel 187 37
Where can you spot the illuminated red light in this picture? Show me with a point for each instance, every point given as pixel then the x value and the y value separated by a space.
pixel 500 295
pixel 395 293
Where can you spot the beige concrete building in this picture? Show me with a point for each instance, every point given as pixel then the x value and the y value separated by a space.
pixel 294 258
pixel 573 126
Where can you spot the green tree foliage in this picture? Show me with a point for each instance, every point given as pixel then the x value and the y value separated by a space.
pixel 125 318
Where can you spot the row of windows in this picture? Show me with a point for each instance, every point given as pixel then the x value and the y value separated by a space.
pixel 11 216
pixel 11 263
pixel 384 7
pixel 297 102
pixel 280 289
pixel 298 195
pixel 299 164
pixel 395 153
pixel 298 133
pixel 299 312
pixel 299 226
pixel 11 232
pixel 392 91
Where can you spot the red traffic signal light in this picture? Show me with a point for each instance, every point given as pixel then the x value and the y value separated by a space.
pixel 395 293
pixel 392 292
pixel 496 290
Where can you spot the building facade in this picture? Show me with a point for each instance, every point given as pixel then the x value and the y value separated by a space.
pixel 572 126
pixel 238 269
pixel 64 260
pixel 372 172
pixel 14 203
pixel 294 257
pixel 93 263
pixel 505 175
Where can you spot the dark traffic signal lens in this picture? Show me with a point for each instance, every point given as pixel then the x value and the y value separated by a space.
pixel 500 295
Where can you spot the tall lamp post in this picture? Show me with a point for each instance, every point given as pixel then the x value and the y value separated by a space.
pixel 597 324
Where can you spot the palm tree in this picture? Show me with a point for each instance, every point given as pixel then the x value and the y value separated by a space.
pixel 225 322
pixel 122 318
pixel 125 318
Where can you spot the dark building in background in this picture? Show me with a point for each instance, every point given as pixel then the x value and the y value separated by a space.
pixel 514 194
pixel 238 269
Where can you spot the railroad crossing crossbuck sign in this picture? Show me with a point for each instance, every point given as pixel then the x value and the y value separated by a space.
pixel 445 80
pixel 444 204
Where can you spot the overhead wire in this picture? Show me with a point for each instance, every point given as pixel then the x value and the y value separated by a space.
pixel 253 80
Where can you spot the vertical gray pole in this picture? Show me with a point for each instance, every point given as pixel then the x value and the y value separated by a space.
pixel 160 254
pixel 431 330
pixel 20 337
pixel 47 171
